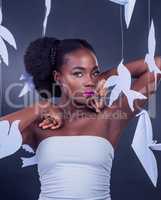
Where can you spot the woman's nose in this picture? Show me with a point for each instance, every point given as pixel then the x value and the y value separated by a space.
pixel 89 82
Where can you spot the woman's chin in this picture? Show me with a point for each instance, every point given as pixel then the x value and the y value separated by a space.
pixel 83 103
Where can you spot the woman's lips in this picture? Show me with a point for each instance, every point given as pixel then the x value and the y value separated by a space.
pixel 89 93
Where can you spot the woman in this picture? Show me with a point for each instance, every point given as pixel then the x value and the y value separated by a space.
pixel 75 160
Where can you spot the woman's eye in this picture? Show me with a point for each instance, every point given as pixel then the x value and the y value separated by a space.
pixel 79 74
pixel 96 73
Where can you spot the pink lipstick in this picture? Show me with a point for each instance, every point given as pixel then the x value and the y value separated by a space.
pixel 88 93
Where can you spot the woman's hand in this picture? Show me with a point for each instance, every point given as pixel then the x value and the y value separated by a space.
pixel 98 100
pixel 51 117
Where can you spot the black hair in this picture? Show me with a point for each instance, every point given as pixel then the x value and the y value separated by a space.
pixel 44 55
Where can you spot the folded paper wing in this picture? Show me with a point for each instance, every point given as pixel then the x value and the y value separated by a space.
pixel 122 84
pixel 31 160
pixel 1 16
pixel 121 2
pixel 10 138
pixel 128 7
pixel 149 58
pixel 27 148
pixel 28 86
pixel 47 12
pixel 11 141
pixel 143 143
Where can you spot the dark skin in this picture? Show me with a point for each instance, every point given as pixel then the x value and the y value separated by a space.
pixel 80 72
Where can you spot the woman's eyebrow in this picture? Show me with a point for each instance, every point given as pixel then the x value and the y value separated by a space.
pixel 83 68
pixel 79 67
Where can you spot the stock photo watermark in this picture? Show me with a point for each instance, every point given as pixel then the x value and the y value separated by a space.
pixel 33 97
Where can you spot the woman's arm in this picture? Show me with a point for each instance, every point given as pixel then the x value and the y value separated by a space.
pixel 137 68
pixel 32 113
pixel 26 115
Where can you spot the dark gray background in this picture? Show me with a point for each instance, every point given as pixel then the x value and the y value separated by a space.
pixel 98 21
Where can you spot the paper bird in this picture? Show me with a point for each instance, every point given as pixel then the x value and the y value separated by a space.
pixel 6 35
pixel 149 58
pixel 122 83
pixel 28 86
pixel 128 9
pixel 47 12
pixel 10 138
pixel 143 144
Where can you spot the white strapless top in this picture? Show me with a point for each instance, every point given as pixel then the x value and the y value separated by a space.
pixel 75 167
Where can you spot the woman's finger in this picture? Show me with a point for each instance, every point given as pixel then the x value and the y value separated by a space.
pixel 47 126
pixel 44 122
pixel 101 92
pixel 94 104
pixel 48 122
pixel 56 126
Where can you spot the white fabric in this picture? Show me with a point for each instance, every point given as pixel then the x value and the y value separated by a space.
pixel 75 167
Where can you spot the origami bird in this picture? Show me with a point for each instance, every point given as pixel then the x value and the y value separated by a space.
pixel 122 83
pixel 128 9
pixel 48 8
pixel 143 144
pixel 28 86
pixel 10 138
pixel 149 58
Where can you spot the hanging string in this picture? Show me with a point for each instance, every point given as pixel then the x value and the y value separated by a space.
pixel 122 34
pixel 149 14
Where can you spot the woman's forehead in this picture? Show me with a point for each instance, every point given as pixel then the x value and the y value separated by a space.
pixel 81 57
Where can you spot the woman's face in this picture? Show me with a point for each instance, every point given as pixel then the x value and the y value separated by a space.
pixel 79 75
